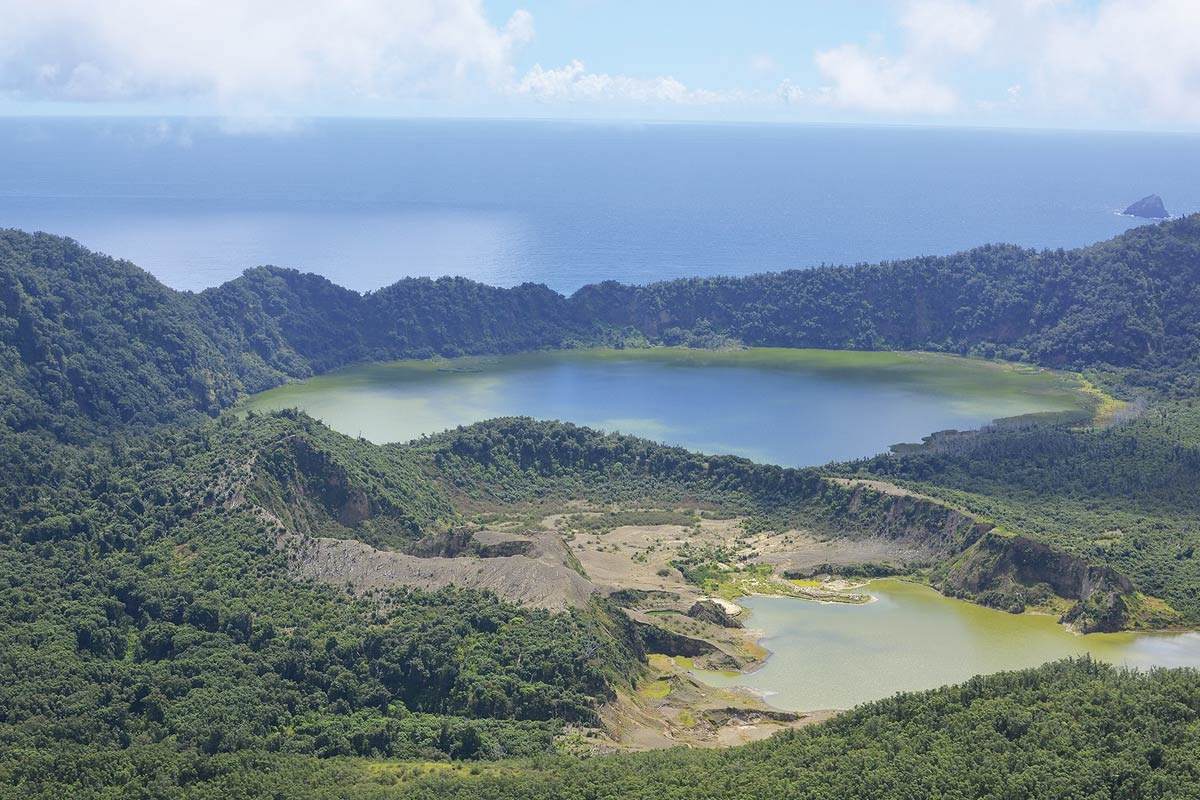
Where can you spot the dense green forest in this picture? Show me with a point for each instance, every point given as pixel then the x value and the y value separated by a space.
pixel 87 339
pixel 1068 729
pixel 155 643
pixel 1071 729
pixel 138 605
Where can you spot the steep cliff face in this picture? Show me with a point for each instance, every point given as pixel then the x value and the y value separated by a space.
pixel 708 611
pixel 362 517
pixel 316 482
pixel 1011 572
pixel 313 492
pixel 891 513
pixel 974 561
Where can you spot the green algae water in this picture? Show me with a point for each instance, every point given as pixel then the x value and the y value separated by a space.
pixel 837 655
pixel 774 405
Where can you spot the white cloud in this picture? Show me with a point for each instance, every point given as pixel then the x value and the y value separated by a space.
pixel 790 93
pixel 1131 62
pixel 573 83
pixel 264 53
pixel 1123 62
pixel 946 26
pixel 256 61
pixel 1124 57
pixel 860 81
pixel 910 83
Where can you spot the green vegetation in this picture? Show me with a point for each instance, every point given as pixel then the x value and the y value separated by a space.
pixel 155 642
pixel 144 604
pixel 1124 495
pixel 517 460
pixel 718 571
pixel 1068 729
pixel 89 341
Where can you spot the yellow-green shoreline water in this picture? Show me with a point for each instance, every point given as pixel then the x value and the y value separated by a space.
pixel 828 655
pixel 777 405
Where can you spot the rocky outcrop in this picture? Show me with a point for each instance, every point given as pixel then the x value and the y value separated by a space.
pixel 660 640
pixel 710 612
pixel 655 638
pixel 1011 572
pixel 497 544
pixel 749 716
pixel 1104 610
pixel 465 542
pixel 443 544
pixel 1149 207
pixel 922 522
pixel 978 563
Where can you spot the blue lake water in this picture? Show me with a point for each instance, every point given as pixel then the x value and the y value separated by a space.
pixel 791 407
pixel 368 202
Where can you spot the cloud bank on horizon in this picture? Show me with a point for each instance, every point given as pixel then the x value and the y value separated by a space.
pixel 1097 63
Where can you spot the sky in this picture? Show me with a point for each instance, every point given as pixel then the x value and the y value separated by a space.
pixel 1103 64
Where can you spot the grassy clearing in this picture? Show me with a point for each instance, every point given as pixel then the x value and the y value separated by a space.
pixel 655 689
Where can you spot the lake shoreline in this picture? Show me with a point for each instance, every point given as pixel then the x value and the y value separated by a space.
pixel 674 394
pixel 1044 635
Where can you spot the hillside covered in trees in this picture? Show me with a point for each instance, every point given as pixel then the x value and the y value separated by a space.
pixel 156 641
pixel 89 340
pixel 1068 729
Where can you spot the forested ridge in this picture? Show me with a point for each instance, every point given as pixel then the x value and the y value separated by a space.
pixel 154 642
pixel 1071 729
pixel 1130 302
pixel 89 339
pixel 1125 495
pixel 143 601
pixel 1065 730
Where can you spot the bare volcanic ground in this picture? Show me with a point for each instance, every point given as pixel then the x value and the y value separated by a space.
pixel 549 563
pixel 641 557
pixel 799 551
pixel 540 579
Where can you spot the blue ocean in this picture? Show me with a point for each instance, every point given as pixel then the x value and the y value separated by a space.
pixel 367 202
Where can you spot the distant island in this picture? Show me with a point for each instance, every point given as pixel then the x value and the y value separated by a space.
pixel 1150 207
